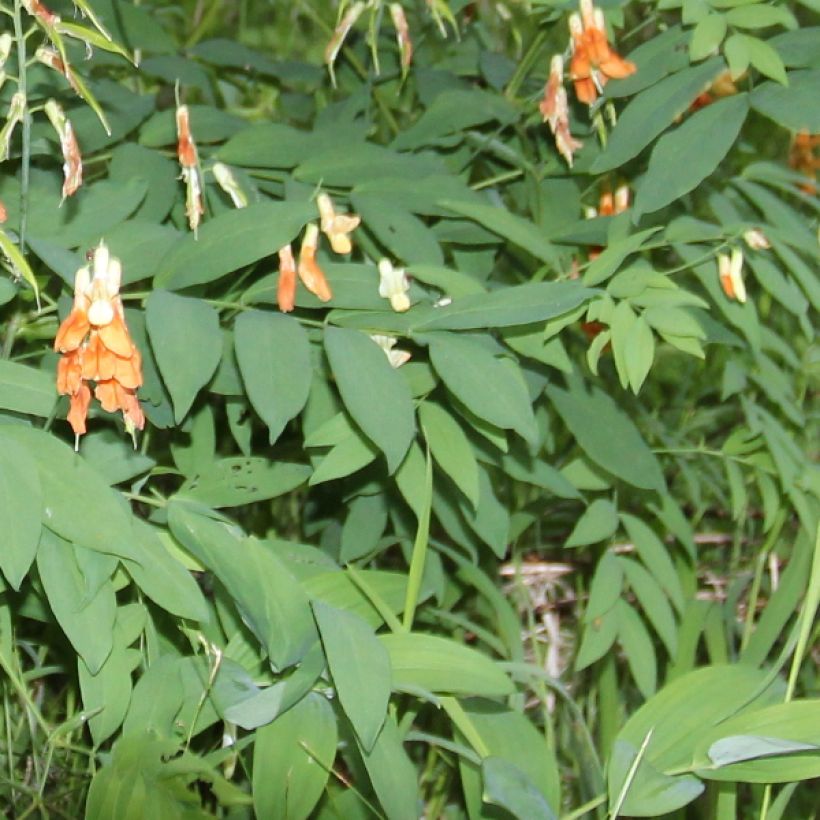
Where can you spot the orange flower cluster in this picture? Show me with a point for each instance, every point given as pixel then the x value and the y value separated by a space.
pixel 594 61
pixel 803 158
pixel 337 228
pixel 96 346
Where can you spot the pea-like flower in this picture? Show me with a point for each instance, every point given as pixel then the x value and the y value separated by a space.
pixel 555 110
pixel 731 278
pixel 286 288
pixel 96 346
pixel 189 163
pixel 336 227
pixel 387 343
pixel 72 158
pixel 312 276
pixel 394 285
pixel 594 61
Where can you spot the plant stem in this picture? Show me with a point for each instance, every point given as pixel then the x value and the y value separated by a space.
pixel 22 87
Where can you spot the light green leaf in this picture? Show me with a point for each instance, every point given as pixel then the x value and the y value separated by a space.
pixel 375 394
pixel 441 665
pixel 598 522
pixel 637 645
pixel 707 35
pixel 793 106
pixel 360 667
pixel 507 786
pixel 292 759
pixel 187 344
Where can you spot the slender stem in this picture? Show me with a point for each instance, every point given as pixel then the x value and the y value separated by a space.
pixel 525 64
pixel 20 38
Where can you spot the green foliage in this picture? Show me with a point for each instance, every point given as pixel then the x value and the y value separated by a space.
pixel 528 530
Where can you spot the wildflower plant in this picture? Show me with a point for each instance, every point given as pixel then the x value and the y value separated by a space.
pixel 471 467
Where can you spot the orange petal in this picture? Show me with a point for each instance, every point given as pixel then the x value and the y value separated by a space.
pixel 69 374
pixel 106 393
pixel 79 409
pixel 72 331
pixel 286 288
pixel 115 337
pixel 131 409
pixel 616 68
pixel 585 90
pixel 597 45
pixel 313 277
pixel 127 371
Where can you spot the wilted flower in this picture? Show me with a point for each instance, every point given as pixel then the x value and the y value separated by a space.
pixel 555 111
pixel 72 159
pixel 341 31
pixel 731 278
pixel 756 239
pixel 17 108
pixel 189 162
pixel 336 226
pixel 227 182
pixel 394 285
pixel 396 357
pixel 594 61
pixel 96 346
pixel 309 271
pixel 286 287
pixel 402 36
pixel 41 12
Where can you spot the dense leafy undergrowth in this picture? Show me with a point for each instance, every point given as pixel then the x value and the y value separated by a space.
pixel 497 501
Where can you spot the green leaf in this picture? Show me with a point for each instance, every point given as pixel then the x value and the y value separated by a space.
pixel 25 389
pixel 598 522
pixel 765 59
pixel 707 35
pixel 653 602
pixel 652 111
pixel 451 448
pixel 272 603
pixel 793 106
pixel 467 367
pixel 88 624
pixel 187 344
pixel 507 786
pixel 273 353
pixel 654 554
pixel 605 588
pixel 360 667
pixel 453 112
pixel 392 774
pixel 292 759
pixel 21 509
pixel 517 230
pixel 683 158
pixel 363 527
pixel 232 240
pixel 737 55
pixel 607 435
pixel 164 579
pixel 441 665
pixel 758 15
pixel 611 258
pixel 637 645
pixel 375 394
pixel 77 503
pixel 599 635
pixel 233 482
pixel 639 353
pixel 506 307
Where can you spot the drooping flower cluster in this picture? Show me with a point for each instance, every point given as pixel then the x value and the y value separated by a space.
pixel 593 61
pixel 337 228
pixel 189 163
pixel 97 347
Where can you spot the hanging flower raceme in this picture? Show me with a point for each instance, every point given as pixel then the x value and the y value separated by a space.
pixel 731 278
pixel 72 159
pixel 594 61
pixel 96 347
pixel 394 285
pixel 189 163
pixel 555 110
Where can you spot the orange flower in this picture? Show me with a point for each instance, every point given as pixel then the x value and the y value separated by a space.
pixel 96 346
pixel 336 227
pixel 286 288
pixel 309 271
pixel 594 61
pixel 803 158
pixel 189 162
